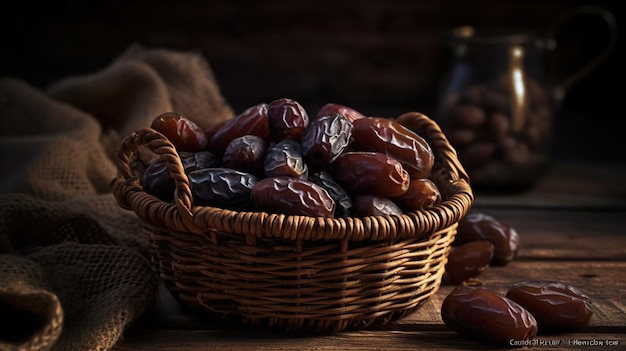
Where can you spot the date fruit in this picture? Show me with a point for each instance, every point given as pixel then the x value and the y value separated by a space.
pixel 374 173
pixel 468 261
pixel 422 194
pixel 348 112
pixel 223 188
pixel 287 119
pixel 292 196
pixel 183 133
pixel 479 226
pixel 285 159
pixel 156 180
pixel 324 139
pixel 557 306
pixel 246 154
pixel 343 202
pixel 252 121
pixel 386 136
pixel 373 205
pixel 193 161
pixel 481 313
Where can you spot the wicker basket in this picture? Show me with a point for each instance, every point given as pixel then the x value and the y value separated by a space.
pixel 298 273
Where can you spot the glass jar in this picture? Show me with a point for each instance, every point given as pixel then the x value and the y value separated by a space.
pixel 496 106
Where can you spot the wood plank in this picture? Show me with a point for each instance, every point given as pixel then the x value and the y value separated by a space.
pixel 566 234
pixel 235 340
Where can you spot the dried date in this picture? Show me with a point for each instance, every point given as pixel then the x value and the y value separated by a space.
pixel 287 119
pixel 285 159
pixel 223 188
pixel 348 112
pixel 375 173
pixel 193 161
pixel 479 226
pixel 252 121
pixel 246 154
pixel 156 180
pixel 373 205
pixel 480 313
pixel 324 139
pixel 292 196
pixel 468 261
pixel 392 138
pixel 422 194
pixel 183 133
pixel 557 306
pixel 343 202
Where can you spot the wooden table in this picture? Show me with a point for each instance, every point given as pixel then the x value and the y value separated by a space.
pixel 573 229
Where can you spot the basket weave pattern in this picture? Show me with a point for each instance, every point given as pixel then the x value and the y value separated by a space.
pixel 298 272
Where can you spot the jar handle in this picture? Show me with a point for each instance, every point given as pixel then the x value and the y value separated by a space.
pixel 561 89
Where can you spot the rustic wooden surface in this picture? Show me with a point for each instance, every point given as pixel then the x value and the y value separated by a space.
pixel 573 229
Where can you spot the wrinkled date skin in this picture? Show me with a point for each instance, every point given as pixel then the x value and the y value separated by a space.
pixel 193 161
pixel 373 205
pixel 480 313
pixel 222 187
pixel 246 154
pixel 343 202
pixel 468 261
pixel 287 119
pixel 292 196
pixel 422 194
pixel 348 112
pixel 156 181
pixel 324 139
pixel 479 226
pixel 252 121
pixel 386 136
pixel 183 133
pixel 285 159
pixel 374 173
pixel 558 307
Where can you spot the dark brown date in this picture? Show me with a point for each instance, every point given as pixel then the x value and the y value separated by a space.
pixel 392 138
pixel 422 194
pixel 343 202
pixel 292 196
pixel 480 313
pixel 374 173
pixel 479 226
pixel 324 139
pixel 348 112
pixel 183 133
pixel 252 121
pixel 468 261
pixel 193 161
pixel 223 188
pixel 285 159
pixel 246 154
pixel 373 205
pixel 557 306
pixel 287 119
pixel 156 180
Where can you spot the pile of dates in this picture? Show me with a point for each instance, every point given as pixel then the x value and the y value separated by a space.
pixel 274 157
pixel 527 308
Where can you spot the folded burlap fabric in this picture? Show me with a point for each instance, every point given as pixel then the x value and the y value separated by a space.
pixel 74 267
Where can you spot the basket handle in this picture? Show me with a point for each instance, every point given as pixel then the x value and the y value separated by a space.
pixel 160 145
pixel 446 154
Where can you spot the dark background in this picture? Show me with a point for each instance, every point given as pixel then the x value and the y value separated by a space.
pixel 382 57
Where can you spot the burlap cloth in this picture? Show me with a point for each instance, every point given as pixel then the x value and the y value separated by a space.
pixel 74 266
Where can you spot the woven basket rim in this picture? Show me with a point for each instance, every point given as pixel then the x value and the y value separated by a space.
pixel 181 215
